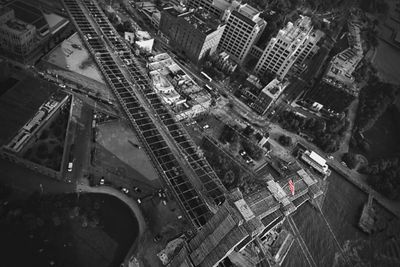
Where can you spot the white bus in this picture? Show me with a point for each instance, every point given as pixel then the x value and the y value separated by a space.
pixel 206 76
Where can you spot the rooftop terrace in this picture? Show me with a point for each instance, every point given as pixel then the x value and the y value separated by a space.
pixel 17 26
pixel 199 18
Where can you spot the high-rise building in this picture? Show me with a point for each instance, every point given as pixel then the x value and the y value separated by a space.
pixel 244 27
pixel 290 48
pixel 16 36
pixel 196 33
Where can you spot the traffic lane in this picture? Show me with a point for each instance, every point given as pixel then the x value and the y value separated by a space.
pixel 82 143
pixel 69 140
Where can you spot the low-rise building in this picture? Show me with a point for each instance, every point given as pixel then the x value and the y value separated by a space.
pixel 177 89
pixel 195 33
pixel 225 63
pixel 340 70
pixel 268 96
pixel 144 41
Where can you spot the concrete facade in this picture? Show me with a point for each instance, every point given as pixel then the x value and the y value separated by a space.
pixel 243 29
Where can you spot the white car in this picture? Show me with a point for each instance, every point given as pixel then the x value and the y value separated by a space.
pixel 125 190
pixel 70 166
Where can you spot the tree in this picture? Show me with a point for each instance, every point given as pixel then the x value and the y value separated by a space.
pixel 228 135
pixel 285 140
pixel 350 159
pixel 253 150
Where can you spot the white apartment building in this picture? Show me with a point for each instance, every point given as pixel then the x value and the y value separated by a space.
pixel 243 29
pixel 289 49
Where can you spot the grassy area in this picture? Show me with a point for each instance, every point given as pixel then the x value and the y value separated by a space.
pixel 20 103
pixel 48 149
pixel 89 230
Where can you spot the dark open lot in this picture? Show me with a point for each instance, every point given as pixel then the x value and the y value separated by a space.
pixel 7 84
pixel 20 103
pixel 384 136
pixel 66 230
pixel 329 96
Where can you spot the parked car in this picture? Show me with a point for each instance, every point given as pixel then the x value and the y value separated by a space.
pixel 125 190
pixel 242 152
pixel 157 238
pixel 70 166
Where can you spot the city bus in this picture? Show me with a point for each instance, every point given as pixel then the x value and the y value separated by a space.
pixel 206 76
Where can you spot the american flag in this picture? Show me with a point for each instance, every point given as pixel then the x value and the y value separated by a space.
pixel 291 186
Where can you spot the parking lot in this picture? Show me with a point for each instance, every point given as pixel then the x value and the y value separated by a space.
pixel 72 55
pixel 117 139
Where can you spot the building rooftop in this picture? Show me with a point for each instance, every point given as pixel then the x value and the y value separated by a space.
pixel 317 158
pixel 296 31
pixel 55 22
pixel 249 11
pixel 274 88
pixel 4 10
pixel 199 18
pixel 222 4
pixel 17 26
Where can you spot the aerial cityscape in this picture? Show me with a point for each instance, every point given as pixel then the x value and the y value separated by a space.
pixel 187 133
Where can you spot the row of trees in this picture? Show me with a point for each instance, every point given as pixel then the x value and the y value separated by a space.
pixel 350 159
pixel 247 141
pixel 227 170
pixel 384 176
pixel 327 134
pixel 372 6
